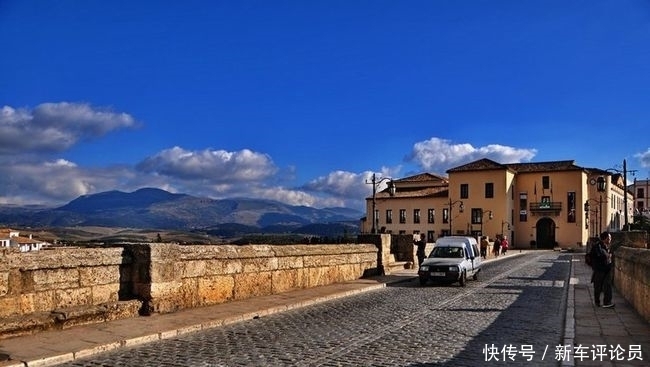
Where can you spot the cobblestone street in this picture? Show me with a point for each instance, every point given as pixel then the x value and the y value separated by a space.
pixel 515 311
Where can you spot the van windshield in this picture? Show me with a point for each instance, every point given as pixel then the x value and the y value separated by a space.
pixel 447 252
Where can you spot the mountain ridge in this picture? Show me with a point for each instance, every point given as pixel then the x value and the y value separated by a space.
pixel 154 208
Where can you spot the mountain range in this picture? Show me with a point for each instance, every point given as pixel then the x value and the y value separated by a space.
pixel 158 209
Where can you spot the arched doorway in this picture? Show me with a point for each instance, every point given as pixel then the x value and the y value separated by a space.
pixel 545 237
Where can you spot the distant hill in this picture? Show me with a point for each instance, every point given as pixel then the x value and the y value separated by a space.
pixel 151 208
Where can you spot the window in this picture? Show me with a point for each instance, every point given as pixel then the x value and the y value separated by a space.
pixel 639 193
pixel 523 202
pixel 477 216
pixel 416 215
pixel 489 190
pixel 571 207
pixel 389 216
pixel 402 216
pixel 546 182
pixel 445 215
pixel 546 202
pixel 431 236
pixel 431 215
pixel 464 191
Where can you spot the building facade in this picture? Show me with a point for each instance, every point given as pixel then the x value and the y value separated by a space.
pixel 537 205
pixel 641 188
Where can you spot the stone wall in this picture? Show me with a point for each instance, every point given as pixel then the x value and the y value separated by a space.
pixel 636 239
pixel 47 289
pixel 177 277
pixel 62 287
pixel 632 277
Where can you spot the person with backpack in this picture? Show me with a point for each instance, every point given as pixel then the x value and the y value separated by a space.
pixel 601 260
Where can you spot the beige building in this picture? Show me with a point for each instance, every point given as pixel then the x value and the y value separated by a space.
pixel 543 205
pixel 641 189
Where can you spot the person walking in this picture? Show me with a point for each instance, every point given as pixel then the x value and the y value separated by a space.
pixel 484 247
pixel 496 249
pixel 504 245
pixel 603 270
pixel 419 252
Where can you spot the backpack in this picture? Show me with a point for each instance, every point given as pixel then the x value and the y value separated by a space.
pixel 589 259
pixel 590 256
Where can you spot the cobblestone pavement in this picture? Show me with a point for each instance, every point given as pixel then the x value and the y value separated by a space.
pixel 515 311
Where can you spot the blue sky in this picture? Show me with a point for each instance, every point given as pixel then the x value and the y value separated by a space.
pixel 301 101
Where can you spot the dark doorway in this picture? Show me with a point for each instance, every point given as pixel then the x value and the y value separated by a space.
pixel 545 233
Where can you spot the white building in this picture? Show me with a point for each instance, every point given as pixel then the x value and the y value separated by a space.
pixel 11 239
pixel 641 188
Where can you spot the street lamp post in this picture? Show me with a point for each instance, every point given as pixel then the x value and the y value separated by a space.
pixel 376 181
pixel 490 216
pixel 503 223
pixel 461 208
pixel 598 211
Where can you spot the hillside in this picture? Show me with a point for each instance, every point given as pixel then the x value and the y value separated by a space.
pixel 156 209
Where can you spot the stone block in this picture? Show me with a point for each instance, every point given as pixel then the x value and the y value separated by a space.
pixel 193 269
pixel 249 285
pixel 122 310
pixel 164 289
pixel 163 272
pixel 9 306
pixel 231 266
pixel 321 276
pixel 326 260
pixel 188 292
pixel 286 280
pixel 262 264
pixel 255 251
pixel 291 262
pixel 90 276
pixel 4 283
pixel 104 293
pixel 216 289
pixel 37 302
pixel 72 297
pixel 55 279
pixel 18 325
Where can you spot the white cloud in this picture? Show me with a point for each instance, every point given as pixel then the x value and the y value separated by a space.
pixel 644 158
pixel 213 165
pixel 55 127
pixel 56 182
pixel 438 155
pixel 283 195
pixel 339 183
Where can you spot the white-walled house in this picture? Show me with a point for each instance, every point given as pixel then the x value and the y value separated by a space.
pixel 10 238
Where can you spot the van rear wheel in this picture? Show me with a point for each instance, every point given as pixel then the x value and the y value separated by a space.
pixel 475 276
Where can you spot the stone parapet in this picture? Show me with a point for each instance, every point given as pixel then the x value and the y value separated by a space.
pixel 636 239
pixel 59 288
pixel 178 277
pixel 632 277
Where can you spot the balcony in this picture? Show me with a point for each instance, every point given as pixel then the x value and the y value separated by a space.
pixel 546 208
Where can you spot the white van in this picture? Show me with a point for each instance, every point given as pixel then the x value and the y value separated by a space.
pixel 453 259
